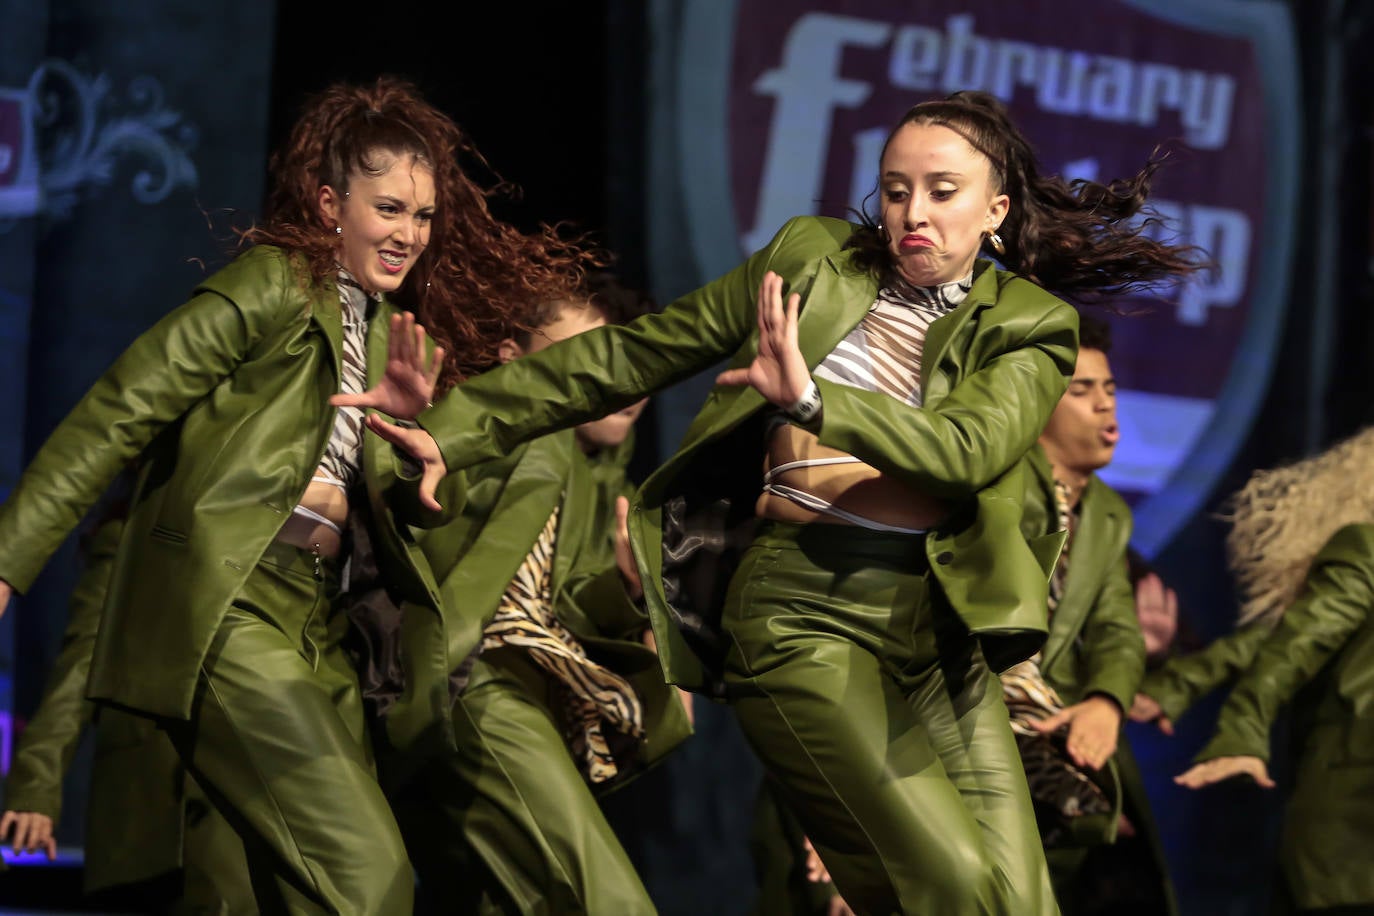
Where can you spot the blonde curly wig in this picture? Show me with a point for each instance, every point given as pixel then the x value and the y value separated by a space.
pixel 1281 518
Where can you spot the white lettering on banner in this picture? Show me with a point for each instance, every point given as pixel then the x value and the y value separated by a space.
pixel 1101 87
pixel 1225 236
pixel 806 88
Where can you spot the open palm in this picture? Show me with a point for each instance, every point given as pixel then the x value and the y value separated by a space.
pixel 778 371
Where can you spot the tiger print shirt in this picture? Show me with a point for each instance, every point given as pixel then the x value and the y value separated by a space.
pixel 343 456
pixel 597 708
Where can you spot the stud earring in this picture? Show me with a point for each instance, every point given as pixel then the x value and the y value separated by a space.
pixel 338 230
pixel 995 241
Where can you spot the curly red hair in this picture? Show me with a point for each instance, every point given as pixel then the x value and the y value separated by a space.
pixel 477 276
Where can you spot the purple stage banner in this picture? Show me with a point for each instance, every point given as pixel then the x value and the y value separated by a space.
pixel 773 108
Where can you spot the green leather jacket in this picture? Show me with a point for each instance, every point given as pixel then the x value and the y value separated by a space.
pixel 226 400
pixel 1094 644
pixel 1320 655
pixel 993 370
pixel 135 817
pixel 500 508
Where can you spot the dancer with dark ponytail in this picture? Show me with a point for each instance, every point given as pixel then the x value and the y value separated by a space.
pixel 854 600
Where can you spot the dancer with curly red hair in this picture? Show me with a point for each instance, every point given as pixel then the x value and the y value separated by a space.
pixel 220 621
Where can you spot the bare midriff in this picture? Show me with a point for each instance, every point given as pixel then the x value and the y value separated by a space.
pixel 307 533
pixel 856 488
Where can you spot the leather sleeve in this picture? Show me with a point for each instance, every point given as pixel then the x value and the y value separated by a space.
pixel 46 746
pixel 1184 680
pixel 1334 604
pixel 985 424
pixel 161 375
pixel 608 368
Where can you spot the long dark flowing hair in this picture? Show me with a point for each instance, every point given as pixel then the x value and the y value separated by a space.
pixel 477 275
pixel 1078 238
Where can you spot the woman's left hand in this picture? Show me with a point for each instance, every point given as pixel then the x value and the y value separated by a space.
pixel 407 387
pixel 1093 728
pixel 779 371
pixel 1219 768
pixel 420 445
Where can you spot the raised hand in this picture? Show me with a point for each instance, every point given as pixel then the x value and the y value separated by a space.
pixel 32 832
pixel 1093 728
pixel 778 371
pixel 419 445
pixel 1219 768
pixel 1156 606
pixel 407 387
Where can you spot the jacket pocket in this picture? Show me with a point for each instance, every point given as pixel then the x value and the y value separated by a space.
pixel 163 533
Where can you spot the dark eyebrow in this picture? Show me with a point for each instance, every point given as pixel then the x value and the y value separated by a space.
pixel 937 176
pixel 1092 379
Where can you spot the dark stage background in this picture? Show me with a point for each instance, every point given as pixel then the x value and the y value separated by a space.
pixel 562 100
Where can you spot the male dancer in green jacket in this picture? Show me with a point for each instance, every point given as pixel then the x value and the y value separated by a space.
pixel 1068 703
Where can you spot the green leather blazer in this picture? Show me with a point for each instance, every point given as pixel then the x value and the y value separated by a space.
pixel 226 400
pixel 498 510
pixel 993 370
pixel 134 820
pixel 1319 656
pixel 1094 644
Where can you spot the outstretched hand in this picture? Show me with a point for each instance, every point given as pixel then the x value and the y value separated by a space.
pixel 1219 768
pixel 1093 728
pixel 407 387
pixel 32 832
pixel 1144 708
pixel 779 370
pixel 419 445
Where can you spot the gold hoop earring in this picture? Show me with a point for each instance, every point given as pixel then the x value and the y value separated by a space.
pixel 995 241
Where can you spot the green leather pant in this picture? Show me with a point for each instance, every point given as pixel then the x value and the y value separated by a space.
pixel 276 740
pixel 870 704
pixel 507 823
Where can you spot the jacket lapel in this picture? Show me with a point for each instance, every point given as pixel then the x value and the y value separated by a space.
pixel 326 313
pixel 1093 540
pixel 937 352
pixel 838 299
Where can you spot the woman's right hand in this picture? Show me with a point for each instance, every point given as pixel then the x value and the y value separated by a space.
pixel 779 370
pixel 1219 768
pixel 1144 708
pixel 407 387
pixel 6 593
pixel 32 831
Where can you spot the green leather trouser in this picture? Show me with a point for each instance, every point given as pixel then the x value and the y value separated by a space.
pixel 873 709
pixel 276 740
pixel 509 814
